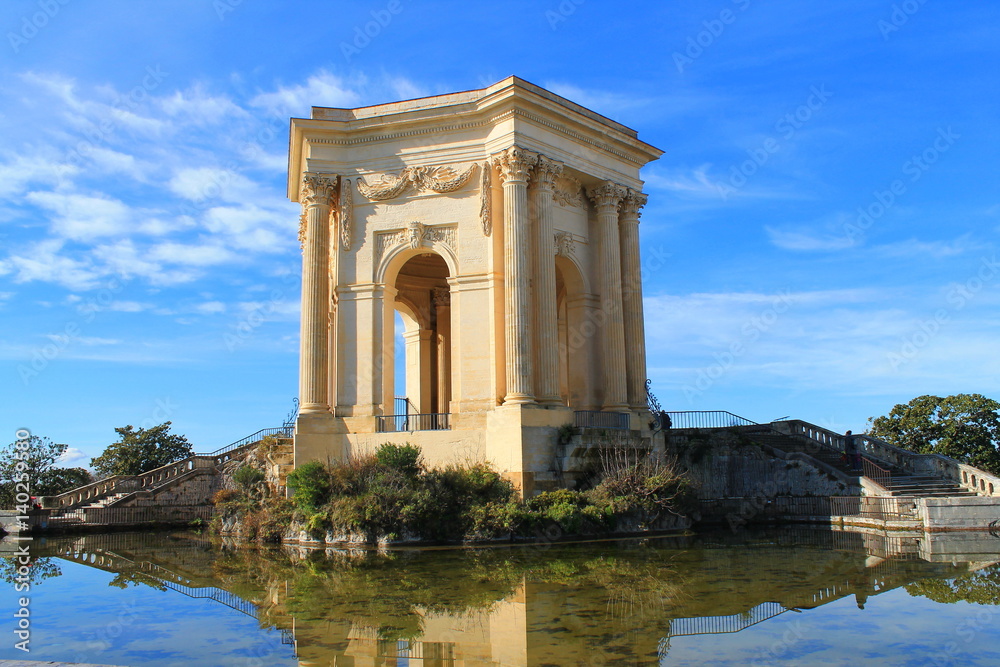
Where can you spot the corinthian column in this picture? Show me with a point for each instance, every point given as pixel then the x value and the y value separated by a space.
pixel 635 336
pixel 514 164
pixel 547 389
pixel 316 197
pixel 607 197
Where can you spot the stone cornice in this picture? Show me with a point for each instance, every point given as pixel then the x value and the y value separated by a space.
pixel 492 120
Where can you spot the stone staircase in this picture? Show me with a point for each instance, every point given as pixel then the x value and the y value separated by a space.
pixel 164 480
pixel 903 483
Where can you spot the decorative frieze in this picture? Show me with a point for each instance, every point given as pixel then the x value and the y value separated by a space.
pixel 436 179
pixel 416 235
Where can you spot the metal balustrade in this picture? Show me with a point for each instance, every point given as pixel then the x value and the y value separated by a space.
pixel 707 419
pixel 431 421
pixel 598 419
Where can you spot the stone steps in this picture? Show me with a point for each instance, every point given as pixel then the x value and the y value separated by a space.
pixel 903 483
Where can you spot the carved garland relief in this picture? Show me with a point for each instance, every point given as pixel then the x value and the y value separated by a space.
pixel 436 179
pixel 416 235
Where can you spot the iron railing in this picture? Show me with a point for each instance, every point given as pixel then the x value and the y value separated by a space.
pixel 873 507
pixel 876 473
pixel 402 405
pixel 284 431
pixel 431 421
pixel 707 419
pixel 597 419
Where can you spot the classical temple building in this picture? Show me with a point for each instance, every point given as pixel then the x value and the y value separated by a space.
pixel 499 228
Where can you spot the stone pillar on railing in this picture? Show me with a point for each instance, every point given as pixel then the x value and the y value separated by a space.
pixel 635 336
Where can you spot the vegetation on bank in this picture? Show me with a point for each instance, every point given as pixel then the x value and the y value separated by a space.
pixel 392 495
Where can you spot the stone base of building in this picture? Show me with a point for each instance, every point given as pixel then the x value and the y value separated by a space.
pixel 533 446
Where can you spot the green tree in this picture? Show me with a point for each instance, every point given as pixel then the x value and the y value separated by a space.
pixel 60 480
pixel 965 427
pixel 27 463
pixel 141 450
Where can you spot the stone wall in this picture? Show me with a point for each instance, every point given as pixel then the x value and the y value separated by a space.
pixel 727 465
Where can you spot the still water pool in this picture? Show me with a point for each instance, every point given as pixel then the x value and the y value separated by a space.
pixel 797 597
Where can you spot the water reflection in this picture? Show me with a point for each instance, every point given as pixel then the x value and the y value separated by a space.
pixel 620 602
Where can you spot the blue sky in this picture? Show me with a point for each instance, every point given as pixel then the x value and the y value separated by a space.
pixel 820 239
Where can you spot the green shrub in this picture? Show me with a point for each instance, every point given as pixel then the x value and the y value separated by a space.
pixel 248 477
pixel 406 459
pixel 311 486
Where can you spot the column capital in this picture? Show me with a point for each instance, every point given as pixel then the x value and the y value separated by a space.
pixel 441 296
pixel 515 163
pixel 607 194
pixel 318 189
pixel 632 202
pixel 546 172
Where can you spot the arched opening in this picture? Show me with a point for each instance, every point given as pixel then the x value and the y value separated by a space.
pixel 577 336
pixel 422 341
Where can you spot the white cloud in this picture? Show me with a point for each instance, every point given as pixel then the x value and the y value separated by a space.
pixel 192 254
pixel 128 306
pixel 71 455
pixel 198 107
pixel 83 217
pixel 199 184
pixel 34 165
pixel 807 240
pixel 320 90
pixel 934 249
pixel 43 262
pixel 211 307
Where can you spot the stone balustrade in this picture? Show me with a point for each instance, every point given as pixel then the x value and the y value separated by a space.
pixel 935 465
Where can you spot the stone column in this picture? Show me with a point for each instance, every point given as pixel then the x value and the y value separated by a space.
pixel 442 312
pixel 607 198
pixel 515 164
pixel 546 323
pixel 317 197
pixel 635 336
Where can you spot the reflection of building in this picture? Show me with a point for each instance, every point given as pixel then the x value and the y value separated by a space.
pixel 501 227
pixel 569 605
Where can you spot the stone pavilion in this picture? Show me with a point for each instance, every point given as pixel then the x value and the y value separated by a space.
pixel 485 246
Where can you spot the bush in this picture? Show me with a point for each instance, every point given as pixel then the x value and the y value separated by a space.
pixel 391 495
pixel 402 458
pixel 311 486
pixel 248 477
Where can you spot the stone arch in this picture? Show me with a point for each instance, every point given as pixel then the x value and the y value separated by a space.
pixel 418 281
pixel 577 335
pixel 387 269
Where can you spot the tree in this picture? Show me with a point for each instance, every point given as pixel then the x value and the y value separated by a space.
pixel 141 450
pixel 24 466
pixel 60 480
pixel 965 427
